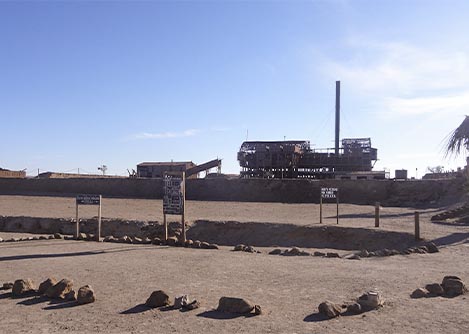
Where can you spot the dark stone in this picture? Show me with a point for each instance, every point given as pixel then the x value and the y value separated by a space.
pixel 44 286
pixel 453 286
pixel 329 309
pixel 435 289
pixel 85 295
pixel 355 308
pixel 235 305
pixel 158 299
pixel 60 289
pixel 420 293
pixel 22 287
pixel 276 251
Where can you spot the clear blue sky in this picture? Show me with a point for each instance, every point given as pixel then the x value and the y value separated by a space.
pixel 118 83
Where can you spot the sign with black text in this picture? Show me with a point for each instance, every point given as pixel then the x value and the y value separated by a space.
pixel 85 199
pixel 173 194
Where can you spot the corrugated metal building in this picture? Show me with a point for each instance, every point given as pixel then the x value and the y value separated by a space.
pixel 157 169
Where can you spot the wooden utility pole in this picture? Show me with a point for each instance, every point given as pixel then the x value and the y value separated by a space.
pixel 417 226
pixel 377 214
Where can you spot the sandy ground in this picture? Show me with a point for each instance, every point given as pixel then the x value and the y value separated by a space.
pixel 289 289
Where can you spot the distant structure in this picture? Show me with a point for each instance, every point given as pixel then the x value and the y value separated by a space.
pixel 54 175
pixel 6 173
pixel 157 169
pixel 355 159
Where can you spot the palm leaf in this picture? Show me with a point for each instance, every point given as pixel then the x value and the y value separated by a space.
pixel 458 140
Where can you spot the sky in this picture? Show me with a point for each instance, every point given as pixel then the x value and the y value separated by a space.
pixel 86 83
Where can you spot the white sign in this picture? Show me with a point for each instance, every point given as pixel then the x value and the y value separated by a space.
pixel 173 194
pixel 329 192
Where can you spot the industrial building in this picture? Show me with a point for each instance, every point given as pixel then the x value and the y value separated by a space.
pixel 157 169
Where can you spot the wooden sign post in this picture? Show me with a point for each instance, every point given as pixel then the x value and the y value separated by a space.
pixel 84 199
pixel 174 199
pixel 329 193
pixel 377 204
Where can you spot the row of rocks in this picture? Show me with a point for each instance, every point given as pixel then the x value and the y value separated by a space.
pixel 295 251
pixel 172 241
pixel 52 289
pixel 370 300
pixel 423 249
pixel 245 248
pixel 451 286
pixel 160 298
pixel 35 238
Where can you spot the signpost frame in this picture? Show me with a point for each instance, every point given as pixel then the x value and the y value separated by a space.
pixel 87 199
pixel 329 193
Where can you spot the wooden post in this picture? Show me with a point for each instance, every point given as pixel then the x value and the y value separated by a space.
pixel 98 232
pixel 184 207
pixel 77 228
pixel 417 226
pixel 320 210
pixel 337 202
pixel 377 214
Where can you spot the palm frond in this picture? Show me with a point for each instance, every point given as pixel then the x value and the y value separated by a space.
pixel 458 140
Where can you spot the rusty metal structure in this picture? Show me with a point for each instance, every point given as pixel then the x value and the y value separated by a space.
pixel 296 158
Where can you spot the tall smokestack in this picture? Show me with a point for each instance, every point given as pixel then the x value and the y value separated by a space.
pixel 337 116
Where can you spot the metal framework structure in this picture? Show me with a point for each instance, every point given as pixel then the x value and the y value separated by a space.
pixel 296 159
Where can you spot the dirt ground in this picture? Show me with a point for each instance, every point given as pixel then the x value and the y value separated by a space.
pixel 289 289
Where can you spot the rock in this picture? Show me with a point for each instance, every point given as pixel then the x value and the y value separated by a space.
pixel 156 241
pixel 435 289
pixel 85 295
pixel 146 241
pixel 293 251
pixel 354 308
pixel 189 243
pixel 50 237
pixel 420 293
pixel 304 253
pixel 197 244
pixel 363 253
pixel 319 254
pixel 276 251
pixel 394 252
pixel 239 248
pixel 109 238
pixel 257 310
pixel 249 249
pixel 172 241
pixel 329 309
pixel 60 289
pixel 422 250
pixel 7 286
pixel 157 299
pixel 432 248
pixel 191 306
pixel 352 257
pixel 1 239
pixel 124 239
pixel 407 251
pixel 34 238
pixel 15 239
pixel 51 281
pixel 42 237
pixel 137 240
pixel 204 245
pixel 180 301
pixel 372 254
pixel 453 286
pixel 336 255
pixel 82 236
pixel 69 237
pixel 71 296
pixel 370 300
pixel 22 287
pixel 58 236
pixel 213 246
pixel 235 305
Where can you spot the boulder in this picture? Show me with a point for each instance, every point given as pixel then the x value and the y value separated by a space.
pixel 419 293
pixel 189 243
pixel 293 251
pixel 22 287
pixel 60 289
pixel 7 286
pixel 146 241
pixel 453 286
pixel 432 248
pixel 330 254
pixel 319 254
pixel 239 248
pixel 42 237
pixel 50 237
pixel 370 300
pixel 180 301
pixel 137 240
pixel 71 296
pixel 352 257
pixel 257 310
pixel 81 236
pixel 204 245
pixel 329 309
pixel 172 241
pixel 1 239
pixel 85 295
pixel 354 308
pixel 197 244
pixel 156 241
pixel 124 239
pixel 235 305
pixel 213 246
pixel 157 299
pixel 58 236
pixel 249 249
pixel 435 289
pixel 276 251
pixel 51 281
